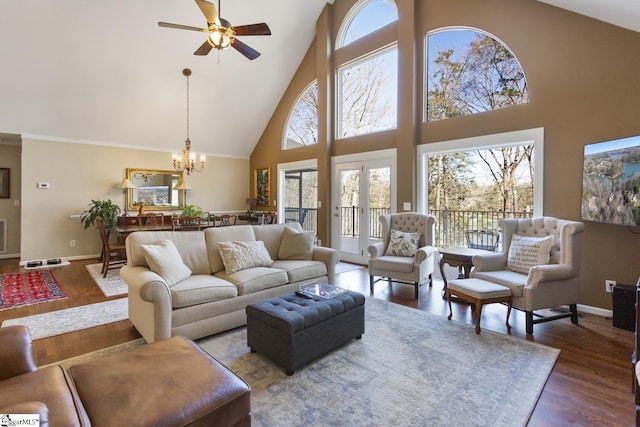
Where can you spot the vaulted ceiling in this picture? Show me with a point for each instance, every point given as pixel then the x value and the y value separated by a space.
pixel 104 72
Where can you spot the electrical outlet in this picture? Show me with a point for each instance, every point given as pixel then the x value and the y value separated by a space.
pixel 609 285
pixel 72 243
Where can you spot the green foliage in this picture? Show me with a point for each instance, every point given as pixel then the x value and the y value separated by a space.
pixel 103 208
pixel 192 210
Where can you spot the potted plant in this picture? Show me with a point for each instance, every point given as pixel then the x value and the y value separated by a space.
pixel 192 210
pixel 103 208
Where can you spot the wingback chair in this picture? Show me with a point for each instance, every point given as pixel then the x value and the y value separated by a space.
pixel 547 285
pixel 405 257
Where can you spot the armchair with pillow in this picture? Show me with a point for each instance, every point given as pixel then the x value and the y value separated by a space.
pixel 406 254
pixel 539 262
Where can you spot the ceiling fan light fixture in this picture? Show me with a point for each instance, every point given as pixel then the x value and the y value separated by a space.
pixel 219 39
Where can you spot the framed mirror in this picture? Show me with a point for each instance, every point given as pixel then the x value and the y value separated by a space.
pixel 154 188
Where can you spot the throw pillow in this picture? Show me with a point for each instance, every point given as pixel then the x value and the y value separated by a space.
pixel 296 245
pixel 164 259
pixel 402 243
pixel 238 256
pixel 526 252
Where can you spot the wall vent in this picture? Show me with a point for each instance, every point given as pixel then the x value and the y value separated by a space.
pixel 3 236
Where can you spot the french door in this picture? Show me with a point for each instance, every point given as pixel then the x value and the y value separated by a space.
pixel 362 191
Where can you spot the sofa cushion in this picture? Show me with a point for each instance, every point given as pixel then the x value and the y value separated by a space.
pixel 213 235
pixel 401 264
pixel 526 252
pixel 298 270
pixel 201 288
pixel 403 243
pixel 271 235
pixel 296 244
pixel 238 256
pixel 255 279
pixel 190 244
pixel 163 258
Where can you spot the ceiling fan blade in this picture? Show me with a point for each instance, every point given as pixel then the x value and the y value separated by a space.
pixel 204 49
pixel 209 11
pixel 261 29
pixel 182 27
pixel 244 49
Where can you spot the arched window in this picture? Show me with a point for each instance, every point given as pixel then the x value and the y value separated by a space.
pixel 302 125
pixel 468 72
pixel 364 18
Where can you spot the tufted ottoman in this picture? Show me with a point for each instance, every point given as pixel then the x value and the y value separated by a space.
pixel 292 330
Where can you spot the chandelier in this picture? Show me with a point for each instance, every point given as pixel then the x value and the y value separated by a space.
pixel 186 160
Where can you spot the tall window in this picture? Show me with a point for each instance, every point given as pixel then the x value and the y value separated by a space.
pixel 364 18
pixel 471 183
pixel 470 72
pixel 367 94
pixel 302 126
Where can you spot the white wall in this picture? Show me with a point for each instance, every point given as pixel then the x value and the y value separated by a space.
pixel 79 173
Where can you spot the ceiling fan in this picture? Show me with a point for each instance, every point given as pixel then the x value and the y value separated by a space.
pixel 221 34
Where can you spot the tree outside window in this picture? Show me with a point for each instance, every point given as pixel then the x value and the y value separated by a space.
pixel 302 126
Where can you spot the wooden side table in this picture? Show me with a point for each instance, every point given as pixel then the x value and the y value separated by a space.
pixel 458 257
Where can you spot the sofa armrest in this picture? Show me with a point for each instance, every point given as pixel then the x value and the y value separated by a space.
pixel 490 262
pixel 150 303
pixel 16 356
pixel 330 257
pixel 548 273
pixel 376 250
pixel 423 253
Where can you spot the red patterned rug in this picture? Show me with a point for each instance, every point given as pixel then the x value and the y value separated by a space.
pixel 32 287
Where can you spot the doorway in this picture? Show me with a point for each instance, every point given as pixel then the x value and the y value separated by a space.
pixel 362 191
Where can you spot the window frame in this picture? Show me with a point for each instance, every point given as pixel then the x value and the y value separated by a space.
pixel 533 136
pixel 426 75
pixel 291 111
pixel 338 88
pixel 348 20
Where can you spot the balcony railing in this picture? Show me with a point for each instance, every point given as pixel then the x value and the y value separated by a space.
pixel 451 225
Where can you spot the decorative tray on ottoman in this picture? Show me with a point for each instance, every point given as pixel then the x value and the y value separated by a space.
pixel 322 290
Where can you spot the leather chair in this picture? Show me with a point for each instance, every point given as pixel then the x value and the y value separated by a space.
pixel 113 255
pixel 411 269
pixel 548 285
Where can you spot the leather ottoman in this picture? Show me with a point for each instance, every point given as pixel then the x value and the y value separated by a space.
pixel 171 382
pixel 292 330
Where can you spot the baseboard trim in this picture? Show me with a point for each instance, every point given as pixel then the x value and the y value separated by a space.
pixel 595 310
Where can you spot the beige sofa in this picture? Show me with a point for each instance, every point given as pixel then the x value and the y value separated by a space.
pixel 209 296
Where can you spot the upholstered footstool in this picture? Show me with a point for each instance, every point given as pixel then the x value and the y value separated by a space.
pixel 292 330
pixel 478 292
pixel 171 382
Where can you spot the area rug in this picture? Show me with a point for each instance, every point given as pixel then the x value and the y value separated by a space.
pixel 31 287
pixel 410 368
pixel 73 319
pixel 112 284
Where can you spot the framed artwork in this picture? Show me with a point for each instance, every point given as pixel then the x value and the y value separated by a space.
pixel 261 186
pixel 4 183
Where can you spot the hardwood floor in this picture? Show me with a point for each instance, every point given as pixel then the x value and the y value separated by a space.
pixel 590 383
